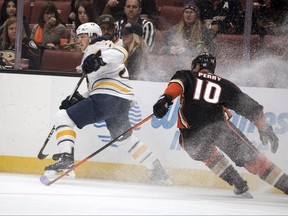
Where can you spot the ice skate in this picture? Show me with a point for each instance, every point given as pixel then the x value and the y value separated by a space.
pixel 243 191
pixel 65 162
pixel 158 175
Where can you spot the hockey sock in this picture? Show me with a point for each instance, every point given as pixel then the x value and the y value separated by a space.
pixel 138 150
pixel 220 165
pixel 269 173
pixel 65 137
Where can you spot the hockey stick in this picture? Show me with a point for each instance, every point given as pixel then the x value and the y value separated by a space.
pixel 44 179
pixel 41 156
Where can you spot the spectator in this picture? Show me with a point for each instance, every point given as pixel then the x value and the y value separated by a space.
pixel 9 9
pixel 108 28
pixel 7 46
pixel 132 12
pixel 116 9
pixel 137 49
pixel 190 36
pixel 49 30
pixel 97 5
pixel 222 16
pixel 85 13
pixel 270 17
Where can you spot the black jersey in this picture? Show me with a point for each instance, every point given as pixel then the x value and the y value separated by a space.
pixel 226 13
pixel 205 97
pixel 29 51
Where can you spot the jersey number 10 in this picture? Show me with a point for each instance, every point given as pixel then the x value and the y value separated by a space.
pixel 209 91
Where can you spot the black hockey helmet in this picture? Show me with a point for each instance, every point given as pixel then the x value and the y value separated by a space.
pixel 206 61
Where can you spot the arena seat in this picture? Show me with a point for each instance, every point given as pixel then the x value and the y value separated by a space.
pixel 1 3
pixel 64 10
pixel 169 16
pixel 35 11
pixel 60 60
pixel 27 9
pixel 159 39
pixel 161 3
pixel 232 46
pixel 274 46
pixel 162 67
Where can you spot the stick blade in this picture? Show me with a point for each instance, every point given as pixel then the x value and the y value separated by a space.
pixel 44 180
pixel 41 156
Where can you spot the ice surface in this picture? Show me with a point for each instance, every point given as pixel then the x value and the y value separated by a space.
pixel 25 195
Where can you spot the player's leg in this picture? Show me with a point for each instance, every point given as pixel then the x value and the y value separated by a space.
pixel 244 154
pixel 268 172
pixel 65 138
pixel 79 115
pixel 139 150
pixel 199 147
pixel 141 153
pixel 221 166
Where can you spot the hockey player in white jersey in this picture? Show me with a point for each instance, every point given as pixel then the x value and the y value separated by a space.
pixel 108 98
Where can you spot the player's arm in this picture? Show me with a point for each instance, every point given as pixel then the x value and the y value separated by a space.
pixel 116 54
pixel 246 106
pixel 173 90
pixel 266 133
pixel 94 60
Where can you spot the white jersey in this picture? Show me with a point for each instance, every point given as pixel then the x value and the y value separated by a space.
pixel 113 78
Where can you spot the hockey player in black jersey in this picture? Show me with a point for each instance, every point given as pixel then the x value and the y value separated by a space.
pixel 206 131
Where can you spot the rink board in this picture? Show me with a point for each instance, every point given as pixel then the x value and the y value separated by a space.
pixel 28 104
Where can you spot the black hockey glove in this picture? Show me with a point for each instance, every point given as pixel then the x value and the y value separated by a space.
pixel 267 134
pixel 162 106
pixel 65 104
pixel 92 63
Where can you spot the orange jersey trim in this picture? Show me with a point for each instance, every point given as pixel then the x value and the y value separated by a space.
pixel 174 89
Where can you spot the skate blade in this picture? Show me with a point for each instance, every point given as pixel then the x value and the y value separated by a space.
pixel 163 182
pixel 245 195
pixel 52 174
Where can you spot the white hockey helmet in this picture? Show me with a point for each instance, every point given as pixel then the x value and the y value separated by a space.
pixel 89 28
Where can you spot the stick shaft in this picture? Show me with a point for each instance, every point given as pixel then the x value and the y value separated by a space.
pixel 40 154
